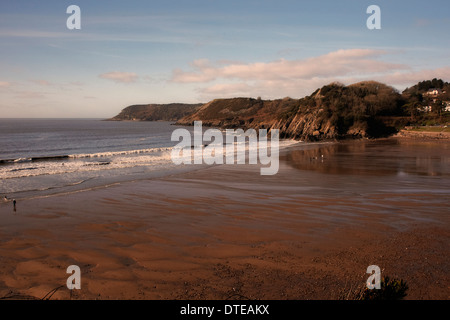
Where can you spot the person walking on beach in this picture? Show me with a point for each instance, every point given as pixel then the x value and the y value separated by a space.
pixel 14 204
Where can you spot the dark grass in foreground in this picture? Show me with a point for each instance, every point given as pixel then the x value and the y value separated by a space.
pixel 391 289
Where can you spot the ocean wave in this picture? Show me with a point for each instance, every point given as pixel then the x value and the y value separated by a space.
pixel 22 170
pixel 33 159
pixel 52 165
pixel 282 144
pixel 84 155
pixel 119 153
pixel 20 160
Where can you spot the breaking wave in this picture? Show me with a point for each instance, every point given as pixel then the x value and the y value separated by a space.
pixel 84 162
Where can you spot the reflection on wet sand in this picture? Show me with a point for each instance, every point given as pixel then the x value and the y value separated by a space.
pixel 375 158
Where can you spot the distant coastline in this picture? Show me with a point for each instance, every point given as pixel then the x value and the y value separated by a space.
pixel 156 112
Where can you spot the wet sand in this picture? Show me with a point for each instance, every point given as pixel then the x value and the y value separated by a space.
pixel 226 232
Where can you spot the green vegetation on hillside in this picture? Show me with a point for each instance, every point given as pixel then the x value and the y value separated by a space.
pixel 157 112
pixel 367 109
pixel 424 108
pixel 356 107
pixel 334 111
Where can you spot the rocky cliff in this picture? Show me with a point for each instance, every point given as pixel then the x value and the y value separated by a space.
pixel 333 112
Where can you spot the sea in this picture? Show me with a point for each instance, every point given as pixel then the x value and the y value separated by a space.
pixel 43 157
pixel 40 157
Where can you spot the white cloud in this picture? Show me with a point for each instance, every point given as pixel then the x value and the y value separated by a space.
pixel 28 94
pixel 297 78
pixel 120 77
pixel 5 84
pixel 405 79
pixel 228 89
pixel 41 82
pixel 338 63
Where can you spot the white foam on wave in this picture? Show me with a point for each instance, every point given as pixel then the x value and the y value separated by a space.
pixel 240 147
pixel 112 160
pixel 119 153
pixel 20 160
pixel 116 160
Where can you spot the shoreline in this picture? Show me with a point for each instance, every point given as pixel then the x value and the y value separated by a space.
pixel 90 184
pixel 225 232
pixel 423 135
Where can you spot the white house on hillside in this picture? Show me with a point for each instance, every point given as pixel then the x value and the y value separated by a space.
pixel 425 108
pixel 447 106
pixel 433 92
pixel 430 108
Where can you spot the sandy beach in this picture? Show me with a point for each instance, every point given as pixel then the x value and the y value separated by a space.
pixel 226 232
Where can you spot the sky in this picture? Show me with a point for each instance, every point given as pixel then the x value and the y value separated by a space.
pixel 140 52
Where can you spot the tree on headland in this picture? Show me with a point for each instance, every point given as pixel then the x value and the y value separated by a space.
pixel 431 84
pixel 438 107
pixel 424 108
pixel 412 108
pixel 423 86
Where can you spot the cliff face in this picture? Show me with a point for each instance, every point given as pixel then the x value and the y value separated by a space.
pixel 157 112
pixel 332 112
pixel 248 113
